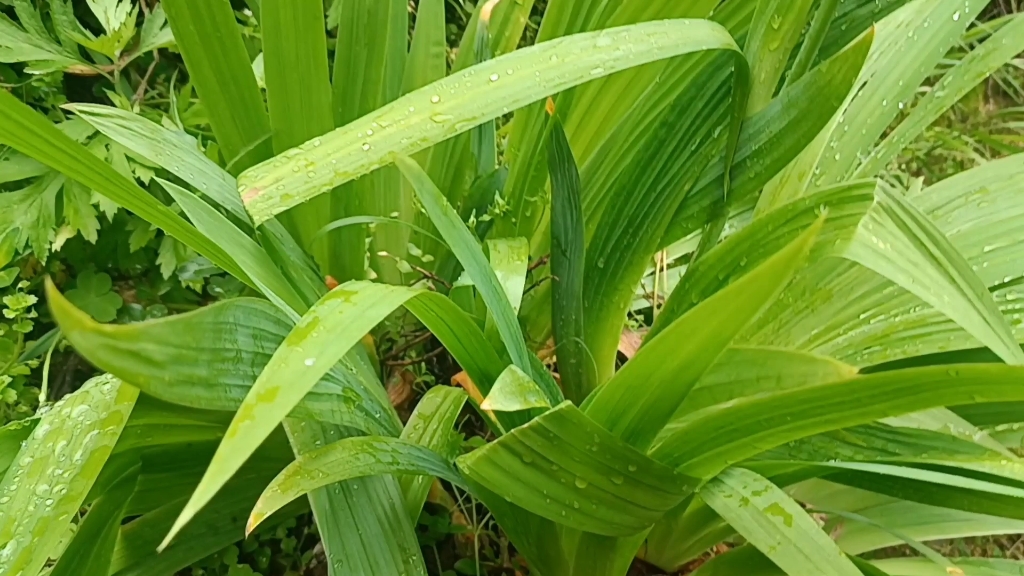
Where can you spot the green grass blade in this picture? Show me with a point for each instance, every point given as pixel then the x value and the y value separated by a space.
pixel 466 249
pixel 642 397
pixel 251 258
pixel 174 151
pixel 930 267
pixel 76 436
pixel 774 32
pixel 978 65
pixel 568 257
pixel 32 134
pixel 437 113
pixel 431 425
pixel 90 552
pixel 733 432
pixel 211 44
pixel 175 359
pixel 775 524
pixel 550 467
pixel 344 460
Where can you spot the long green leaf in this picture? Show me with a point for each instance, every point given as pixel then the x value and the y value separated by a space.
pixel 774 523
pixel 903 55
pixel 298 95
pixel 175 151
pixel 774 33
pixel 427 61
pixel 641 398
pixel 748 426
pixel 323 336
pixel 978 65
pixel 845 207
pixel 568 257
pixel 431 425
pixel 466 249
pixel 210 358
pixel 55 470
pixel 930 267
pixel 344 460
pixel 441 110
pixel 565 467
pixel 211 43
pixel 34 135
pixel 251 258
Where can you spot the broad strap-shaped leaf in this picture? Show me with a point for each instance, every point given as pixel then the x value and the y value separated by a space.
pixel 440 110
pixel 747 371
pixel 344 460
pixel 774 32
pixel 514 390
pixel 298 96
pixel 775 524
pixel 176 152
pixel 385 542
pixel 773 137
pixel 323 336
pixel 431 425
pixel 564 467
pixel 900 242
pixel 641 398
pixel 32 134
pixel 925 567
pixel 738 430
pixel 210 358
pixel 427 61
pixel 568 257
pixel 218 526
pixel 211 44
pixel 90 552
pixel 55 469
pixel 840 309
pixel 888 515
pixel 845 207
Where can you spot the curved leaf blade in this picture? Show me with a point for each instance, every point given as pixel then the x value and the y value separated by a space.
pixel 565 467
pixel 56 468
pixel 344 460
pixel 442 110
pixel 775 524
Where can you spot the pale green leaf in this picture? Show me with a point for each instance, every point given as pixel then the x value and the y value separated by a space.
pixel 75 436
pixel 514 390
pixel 774 523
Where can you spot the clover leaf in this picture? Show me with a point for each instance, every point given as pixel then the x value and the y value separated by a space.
pixel 93 295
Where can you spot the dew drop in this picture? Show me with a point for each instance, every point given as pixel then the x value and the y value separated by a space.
pixel 581 483
pixel 494 77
